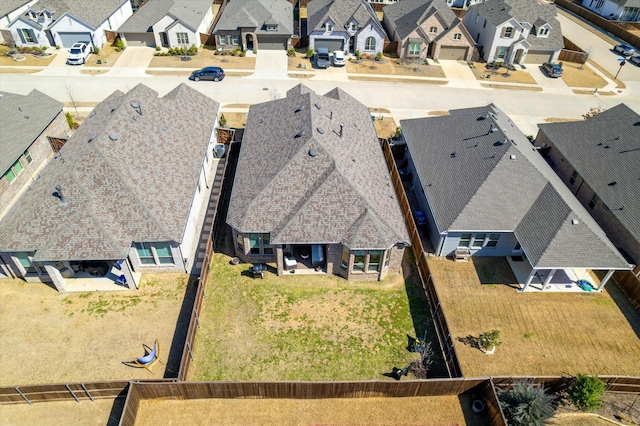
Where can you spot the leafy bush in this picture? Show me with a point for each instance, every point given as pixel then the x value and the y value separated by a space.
pixel 96 50
pixel 526 404
pixel 358 54
pixel 70 121
pixel 57 47
pixel 489 339
pixel 223 120
pixel 398 132
pixel 291 52
pixel 586 392
pixel 255 50
pixel 193 50
pixel 118 44
pixel 158 48
pixel 309 52
pixel 379 56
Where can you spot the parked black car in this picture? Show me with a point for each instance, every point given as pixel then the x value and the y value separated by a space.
pixel 208 73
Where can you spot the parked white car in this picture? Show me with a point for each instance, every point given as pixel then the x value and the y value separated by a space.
pixel 338 58
pixel 78 53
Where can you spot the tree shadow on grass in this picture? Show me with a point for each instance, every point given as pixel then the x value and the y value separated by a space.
pixel 419 310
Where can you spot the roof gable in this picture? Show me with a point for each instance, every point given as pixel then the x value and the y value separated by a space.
pixel 92 16
pixel 406 15
pixel 340 12
pixel 190 13
pixel 256 14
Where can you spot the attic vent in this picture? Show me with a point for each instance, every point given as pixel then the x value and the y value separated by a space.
pixel 614 183
pixel 137 107
pixel 453 155
pixel 574 221
pixel 313 152
pixel 318 106
pixel 59 196
pixel 300 133
pixel 113 136
pixel 113 108
pixel 493 130
pixel 320 130
pixel 26 116
pixel 512 156
pixel 299 108
pixel 92 137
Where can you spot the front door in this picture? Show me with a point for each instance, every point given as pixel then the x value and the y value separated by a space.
pixel 165 39
pixel 249 42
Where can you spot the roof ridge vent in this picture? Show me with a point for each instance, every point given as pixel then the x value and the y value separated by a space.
pixel 313 152
pixel 299 134
pixel 137 107
pixel 318 105
pixel 320 130
pixel 512 157
pixel 299 108
pixel 114 107
pixel 113 136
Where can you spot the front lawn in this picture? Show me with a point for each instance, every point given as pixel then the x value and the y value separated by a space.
pixel 304 327
pixel 204 58
pixel 578 75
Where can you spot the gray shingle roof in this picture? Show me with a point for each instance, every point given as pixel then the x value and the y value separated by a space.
pixel 93 14
pixel 136 188
pixel 342 194
pixel 22 120
pixel 8 6
pixel 500 11
pixel 606 149
pixel 479 172
pixel 627 3
pixel 250 13
pixel 407 15
pixel 189 12
pixel 340 12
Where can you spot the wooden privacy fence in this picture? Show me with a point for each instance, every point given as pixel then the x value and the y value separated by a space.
pixel 629 284
pixel 442 328
pixel 138 392
pixel 601 22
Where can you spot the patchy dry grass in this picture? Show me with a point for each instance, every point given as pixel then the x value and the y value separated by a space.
pixel 385 126
pixel 59 413
pixel 435 410
pixel 29 60
pixel 304 327
pixel 392 66
pixel 51 337
pixel 501 75
pixel 299 62
pixel 205 58
pixel 107 56
pixel 577 75
pixel 236 120
pixel 542 333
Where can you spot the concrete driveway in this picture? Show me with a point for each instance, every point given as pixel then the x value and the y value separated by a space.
pixel 271 65
pixel 599 49
pixel 548 84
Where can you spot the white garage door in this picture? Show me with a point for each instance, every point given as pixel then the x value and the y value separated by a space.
pixel 67 39
pixel 330 43
pixel 140 39
pixel 272 42
pixel 453 52
pixel 538 56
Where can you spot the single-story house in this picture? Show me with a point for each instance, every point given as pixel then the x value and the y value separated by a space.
pixel 515 31
pixel 168 23
pixel 427 29
pixel 255 24
pixel 486 191
pixel 346 25
pixel 618 10
pixel 10 10
pixel 598 160
pixel 50 23
pixel 123 196
pixel 33 129
pixel 312 192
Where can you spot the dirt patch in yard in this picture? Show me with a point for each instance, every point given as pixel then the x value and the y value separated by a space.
pixel 205 58
pixel 542 333
pixel 393 66
pixel 107 55
pixel 29 60
pixel 502 75
pixel 578 75
pixel 83 413
pixel 434 410
pixel 385 126
pixel 236 120
pixel 51 337
pixel 300 62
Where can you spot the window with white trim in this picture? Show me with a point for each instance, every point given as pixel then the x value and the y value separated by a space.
pixel 414 49
pixel 433 29
pixel 27 35
pixel 183 38
pixel 222 39
pixel 260 244
pixel 574 177
pixel 507 32
pixel 493 240
pixel 465 240
pixel 370 43
pixel 235 39
pixel 154 253
pixel 594 201
pixel 478 240
pixel 457 36
pixel 328 27
pixel 344 264
pixel 14 171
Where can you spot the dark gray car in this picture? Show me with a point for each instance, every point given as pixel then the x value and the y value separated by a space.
pixel 208 73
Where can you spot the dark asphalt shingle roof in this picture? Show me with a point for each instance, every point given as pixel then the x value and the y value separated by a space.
pixel 340 12
pixel 342 194
pixel 93 13
pixel 605 149
pixel 500 11
pixel 257 13
pixel 189 12
pixel 137 188
pixel 22 120
pixel 407 15
pixel 479 172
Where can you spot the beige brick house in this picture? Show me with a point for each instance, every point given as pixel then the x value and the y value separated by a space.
pixel 312 193
pixel 427 29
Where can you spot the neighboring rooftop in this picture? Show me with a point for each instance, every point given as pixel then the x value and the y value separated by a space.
pixel 257 13
pixel 482 173
pixel 406 15
pixel 605 151
pixel 340 12
pixel 311 170
pixel 93 14
pixel 129 173
pixel 500 11
pixel 188 12
pixel 22 120
pixel 8 6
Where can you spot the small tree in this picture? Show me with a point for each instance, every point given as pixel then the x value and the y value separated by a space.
pixel 358 55
pixel 489 340
pixel 586 392
pixel 526 404
pixel 118 44
pixel 70 121
pixel 379 56
pixel 291 51
pixel 223 121
pixel 309 52
pixel 397 133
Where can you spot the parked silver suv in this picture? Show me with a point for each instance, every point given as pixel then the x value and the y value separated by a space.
pixel 78 53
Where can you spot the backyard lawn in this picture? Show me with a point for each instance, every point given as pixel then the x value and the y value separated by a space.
pixel 305 327
pixel 541 333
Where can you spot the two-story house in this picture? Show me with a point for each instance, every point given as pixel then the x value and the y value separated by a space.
pixel 346 25
pixel 515 31
pixel 620 10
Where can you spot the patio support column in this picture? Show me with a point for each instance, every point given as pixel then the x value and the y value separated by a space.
pixel 529 279
pixel 548 280
pixel 131 282
pixel 56 277
pixel 605 279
